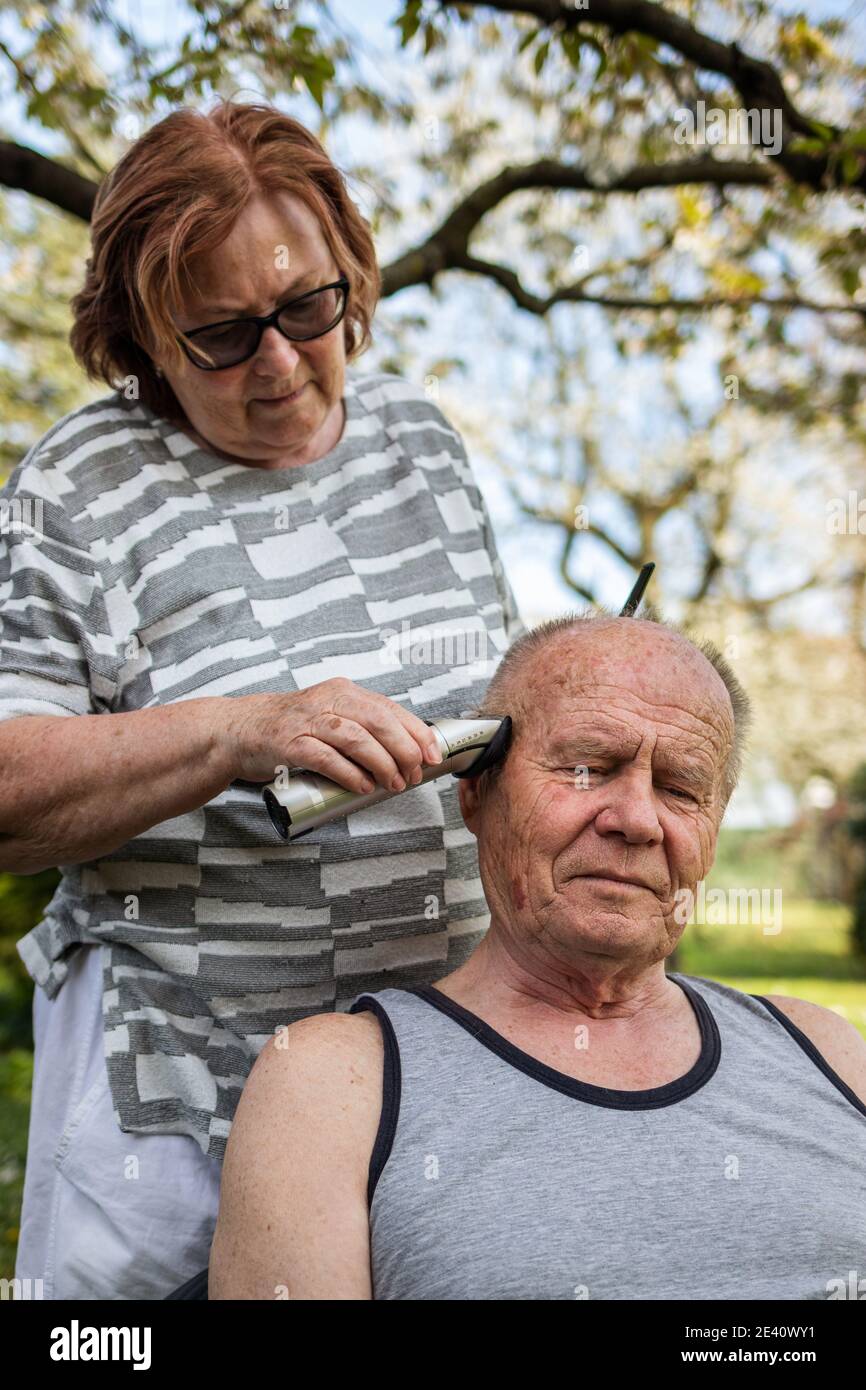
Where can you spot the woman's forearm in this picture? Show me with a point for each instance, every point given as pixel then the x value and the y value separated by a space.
pixel 76 788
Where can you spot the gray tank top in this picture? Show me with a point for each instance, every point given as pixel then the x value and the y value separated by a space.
pixel 493 1176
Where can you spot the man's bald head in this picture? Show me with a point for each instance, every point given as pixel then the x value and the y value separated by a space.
pixel 540 665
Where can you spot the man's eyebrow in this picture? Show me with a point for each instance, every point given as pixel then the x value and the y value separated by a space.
pixel 574 745
pixel 597 747
pixel 694 777
pixel 317 276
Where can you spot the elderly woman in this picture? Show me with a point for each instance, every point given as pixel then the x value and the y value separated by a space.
pixel 226 545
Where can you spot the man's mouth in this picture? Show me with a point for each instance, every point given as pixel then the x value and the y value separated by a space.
pixel 616 878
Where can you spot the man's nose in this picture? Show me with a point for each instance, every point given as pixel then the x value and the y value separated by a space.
pixel 630 809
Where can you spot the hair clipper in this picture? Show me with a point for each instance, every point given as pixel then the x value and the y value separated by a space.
pixel 304 801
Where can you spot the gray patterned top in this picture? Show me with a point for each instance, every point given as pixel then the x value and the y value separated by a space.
pixel 137 569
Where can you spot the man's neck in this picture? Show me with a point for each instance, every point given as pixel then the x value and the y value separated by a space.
pixel 505 979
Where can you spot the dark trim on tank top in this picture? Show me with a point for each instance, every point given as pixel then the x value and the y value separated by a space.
pixel 653 1099
pixel 812 1052
pixel 391 1088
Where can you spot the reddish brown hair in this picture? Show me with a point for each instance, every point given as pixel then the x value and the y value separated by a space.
pixel 177 193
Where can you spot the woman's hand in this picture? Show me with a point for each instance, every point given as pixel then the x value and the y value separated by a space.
pixel 336 728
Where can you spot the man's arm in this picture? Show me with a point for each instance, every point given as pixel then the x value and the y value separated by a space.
pixel 838 1041
pixel 293 1219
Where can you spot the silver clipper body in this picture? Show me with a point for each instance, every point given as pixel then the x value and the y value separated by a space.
pixel 302 801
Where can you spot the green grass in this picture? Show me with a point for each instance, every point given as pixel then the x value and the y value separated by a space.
pixel 810 958
pixel 16 1078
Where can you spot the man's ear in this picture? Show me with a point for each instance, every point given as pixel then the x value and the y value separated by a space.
pixel 469 793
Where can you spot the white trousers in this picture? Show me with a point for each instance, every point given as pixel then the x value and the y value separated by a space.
pixel 105 1215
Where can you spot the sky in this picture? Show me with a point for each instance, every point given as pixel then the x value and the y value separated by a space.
pixel 529 553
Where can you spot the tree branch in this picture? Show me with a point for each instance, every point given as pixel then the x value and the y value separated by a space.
pixel 446 248
pixel 557 519
pixel 576 294
pixel 563 570
pixel 759 607
pixel 46 178
pixel 435 253
pixel 758 82
pixel 26 79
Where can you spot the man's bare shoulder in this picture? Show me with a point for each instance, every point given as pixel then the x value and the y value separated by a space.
pixel 293 1199
pixel 316 1087
pixel 343 1050
pixel 311 1104
pixel 838 1041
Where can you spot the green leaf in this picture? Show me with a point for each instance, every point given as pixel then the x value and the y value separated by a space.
pixel 314 81
pixel 801 145
pixel 850 278
pixel 408 22
pixel 571 42
pixel 528 38
pixel 541 56
pixel 597 48
pixel 432 38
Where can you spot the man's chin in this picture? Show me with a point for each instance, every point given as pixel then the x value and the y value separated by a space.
pixel 609 919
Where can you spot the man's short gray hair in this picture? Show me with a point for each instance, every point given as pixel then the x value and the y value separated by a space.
pixel 506 691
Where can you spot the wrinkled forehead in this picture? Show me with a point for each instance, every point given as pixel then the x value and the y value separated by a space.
pixel 630 676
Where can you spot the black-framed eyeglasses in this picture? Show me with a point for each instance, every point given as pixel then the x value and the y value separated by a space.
pixel 232 341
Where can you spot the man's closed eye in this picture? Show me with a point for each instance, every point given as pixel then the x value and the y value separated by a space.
pixel 581 770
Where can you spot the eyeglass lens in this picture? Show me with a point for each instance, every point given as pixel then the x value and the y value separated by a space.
pixel 309 317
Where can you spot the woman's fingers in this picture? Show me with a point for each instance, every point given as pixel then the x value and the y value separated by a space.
pixel 382 745
pixel 315 756
pixel 402 735
pixel 335 728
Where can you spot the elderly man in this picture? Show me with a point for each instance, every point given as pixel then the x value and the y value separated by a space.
pixel 558 1118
